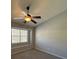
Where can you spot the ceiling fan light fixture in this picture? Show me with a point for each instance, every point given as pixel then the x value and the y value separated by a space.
pixel 27 19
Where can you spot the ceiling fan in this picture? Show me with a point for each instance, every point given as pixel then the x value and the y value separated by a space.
pixel 28 17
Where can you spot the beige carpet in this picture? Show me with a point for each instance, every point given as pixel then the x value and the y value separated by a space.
pixel 33 54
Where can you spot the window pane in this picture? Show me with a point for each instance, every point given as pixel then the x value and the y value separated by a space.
pixel 24 32
pixel 24 36
pixel 15 32
pixel 24 39
pixel 19 35
pixel 15 39
pixel 15 36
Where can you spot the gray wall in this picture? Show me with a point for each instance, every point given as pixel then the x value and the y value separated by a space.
pixel 51 36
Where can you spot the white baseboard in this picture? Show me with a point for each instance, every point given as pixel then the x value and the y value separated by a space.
pixel 51 53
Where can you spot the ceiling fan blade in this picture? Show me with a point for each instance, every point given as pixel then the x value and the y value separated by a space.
pixel 28 15
pixel 39 17
pixel 28 7
pixel 24 13
pixel 34 21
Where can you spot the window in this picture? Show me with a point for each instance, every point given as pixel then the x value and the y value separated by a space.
pixel 24 35
pixel 19 36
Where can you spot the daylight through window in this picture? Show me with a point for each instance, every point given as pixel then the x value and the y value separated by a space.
pixel 19 35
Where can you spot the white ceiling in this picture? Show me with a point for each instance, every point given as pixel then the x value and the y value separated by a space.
pixel 45 8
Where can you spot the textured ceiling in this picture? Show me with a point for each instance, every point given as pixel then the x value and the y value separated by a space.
pixel 45 8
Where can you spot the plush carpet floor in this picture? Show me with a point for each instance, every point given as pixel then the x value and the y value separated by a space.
pixel 33 54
